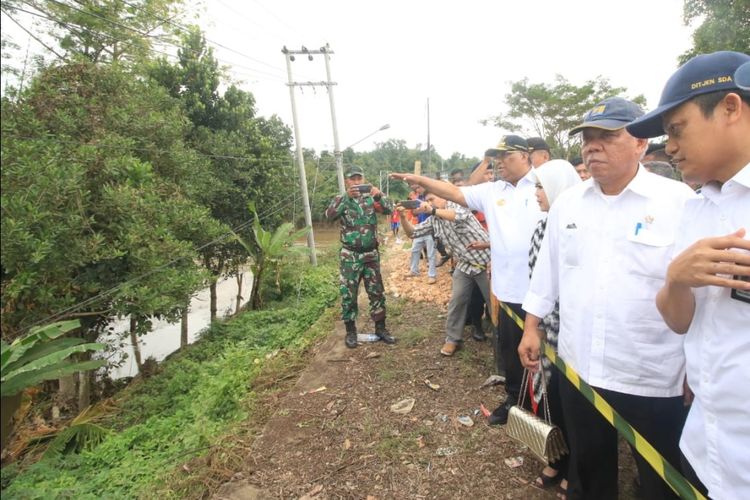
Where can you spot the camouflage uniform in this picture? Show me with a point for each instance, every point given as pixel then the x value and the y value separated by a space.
pixel 359 258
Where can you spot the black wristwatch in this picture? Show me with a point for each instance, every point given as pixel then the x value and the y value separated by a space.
pixel 434 210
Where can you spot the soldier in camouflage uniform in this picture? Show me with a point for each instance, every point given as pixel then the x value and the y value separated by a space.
pixel 359 258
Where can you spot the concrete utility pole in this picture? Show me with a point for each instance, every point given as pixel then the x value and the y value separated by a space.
pixel 300 157
pixel 328 84
pixel 336 149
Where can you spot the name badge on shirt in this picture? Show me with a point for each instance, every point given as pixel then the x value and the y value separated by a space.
pixel 500 202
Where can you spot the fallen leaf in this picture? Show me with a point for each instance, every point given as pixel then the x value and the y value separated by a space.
pixel 347 444
pixel 420 442
pixel 432 386
pixel 371 355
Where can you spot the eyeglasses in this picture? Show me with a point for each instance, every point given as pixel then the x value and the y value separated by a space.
pixel 539 186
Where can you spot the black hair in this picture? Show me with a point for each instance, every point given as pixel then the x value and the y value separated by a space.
pixel 457 171
pixel 708 102
pixel 476 165
pixel 576 160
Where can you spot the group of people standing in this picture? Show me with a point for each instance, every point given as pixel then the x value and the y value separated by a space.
pixel 611 271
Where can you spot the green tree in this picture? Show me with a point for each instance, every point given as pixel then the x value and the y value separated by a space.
pixel 268 250
pixel 103 31
pixel 551 110
pixel 94 205
pixel 244 154
pixel 724 25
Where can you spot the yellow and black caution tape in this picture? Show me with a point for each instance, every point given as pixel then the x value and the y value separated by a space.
pixel 669 474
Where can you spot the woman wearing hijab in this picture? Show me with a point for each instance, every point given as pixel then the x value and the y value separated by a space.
pixel 553 177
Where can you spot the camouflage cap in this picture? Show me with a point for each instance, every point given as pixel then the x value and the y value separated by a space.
pixel 353 170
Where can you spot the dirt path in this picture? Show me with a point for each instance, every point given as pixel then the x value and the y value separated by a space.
pixel 334 435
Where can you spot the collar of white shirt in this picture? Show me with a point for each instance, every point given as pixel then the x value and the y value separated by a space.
pixel 714 190
pixel 529 178
pixel 639 185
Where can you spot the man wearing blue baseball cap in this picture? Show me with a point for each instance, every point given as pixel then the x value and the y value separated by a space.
pixel 604 255
pixel 705 112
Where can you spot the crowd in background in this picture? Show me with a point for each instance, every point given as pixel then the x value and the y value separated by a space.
pixel 611 258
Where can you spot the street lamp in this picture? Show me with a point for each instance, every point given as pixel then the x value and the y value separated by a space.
pixel 339 157
pixel 384 127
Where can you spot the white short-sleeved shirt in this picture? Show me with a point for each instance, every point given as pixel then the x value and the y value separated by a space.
pixel 512 213
pixel 606 258
pixel 716 436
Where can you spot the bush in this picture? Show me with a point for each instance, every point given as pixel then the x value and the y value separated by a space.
pixel 174 415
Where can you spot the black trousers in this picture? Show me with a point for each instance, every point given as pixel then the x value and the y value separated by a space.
pixel 691 476
pixel 593 441
pixel 475 308
pixel 509 337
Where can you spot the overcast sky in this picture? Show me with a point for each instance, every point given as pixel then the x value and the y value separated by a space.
pixel 391 56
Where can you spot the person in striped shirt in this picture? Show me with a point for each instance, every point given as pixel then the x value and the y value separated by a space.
pixel 468 242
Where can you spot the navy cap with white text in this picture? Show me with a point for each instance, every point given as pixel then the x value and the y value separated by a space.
pixel 702 74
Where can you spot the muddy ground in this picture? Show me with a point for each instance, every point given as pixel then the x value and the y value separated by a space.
pixel 333 434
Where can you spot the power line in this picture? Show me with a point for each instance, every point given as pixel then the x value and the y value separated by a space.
pixel 33 36
pixel 184 29
pixel 256 71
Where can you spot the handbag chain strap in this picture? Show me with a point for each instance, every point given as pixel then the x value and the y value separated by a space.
pixel 524 390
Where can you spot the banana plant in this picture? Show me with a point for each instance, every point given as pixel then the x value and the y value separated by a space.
pixel 270 248
pixel 43 354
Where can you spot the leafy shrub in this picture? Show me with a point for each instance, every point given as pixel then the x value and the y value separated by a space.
pixel 197 396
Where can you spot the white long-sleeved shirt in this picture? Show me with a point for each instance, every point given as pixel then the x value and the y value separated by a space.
pixel 716 436
pixel 512 213
pixel 605 257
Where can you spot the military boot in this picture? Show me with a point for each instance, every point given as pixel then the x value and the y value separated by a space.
pixel 351 334
pixel 383 333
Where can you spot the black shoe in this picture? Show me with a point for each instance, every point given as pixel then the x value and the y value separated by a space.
pixel 499 415
pixel 351 334
pixel 478 334
pixel 383 333
pixel 443 260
